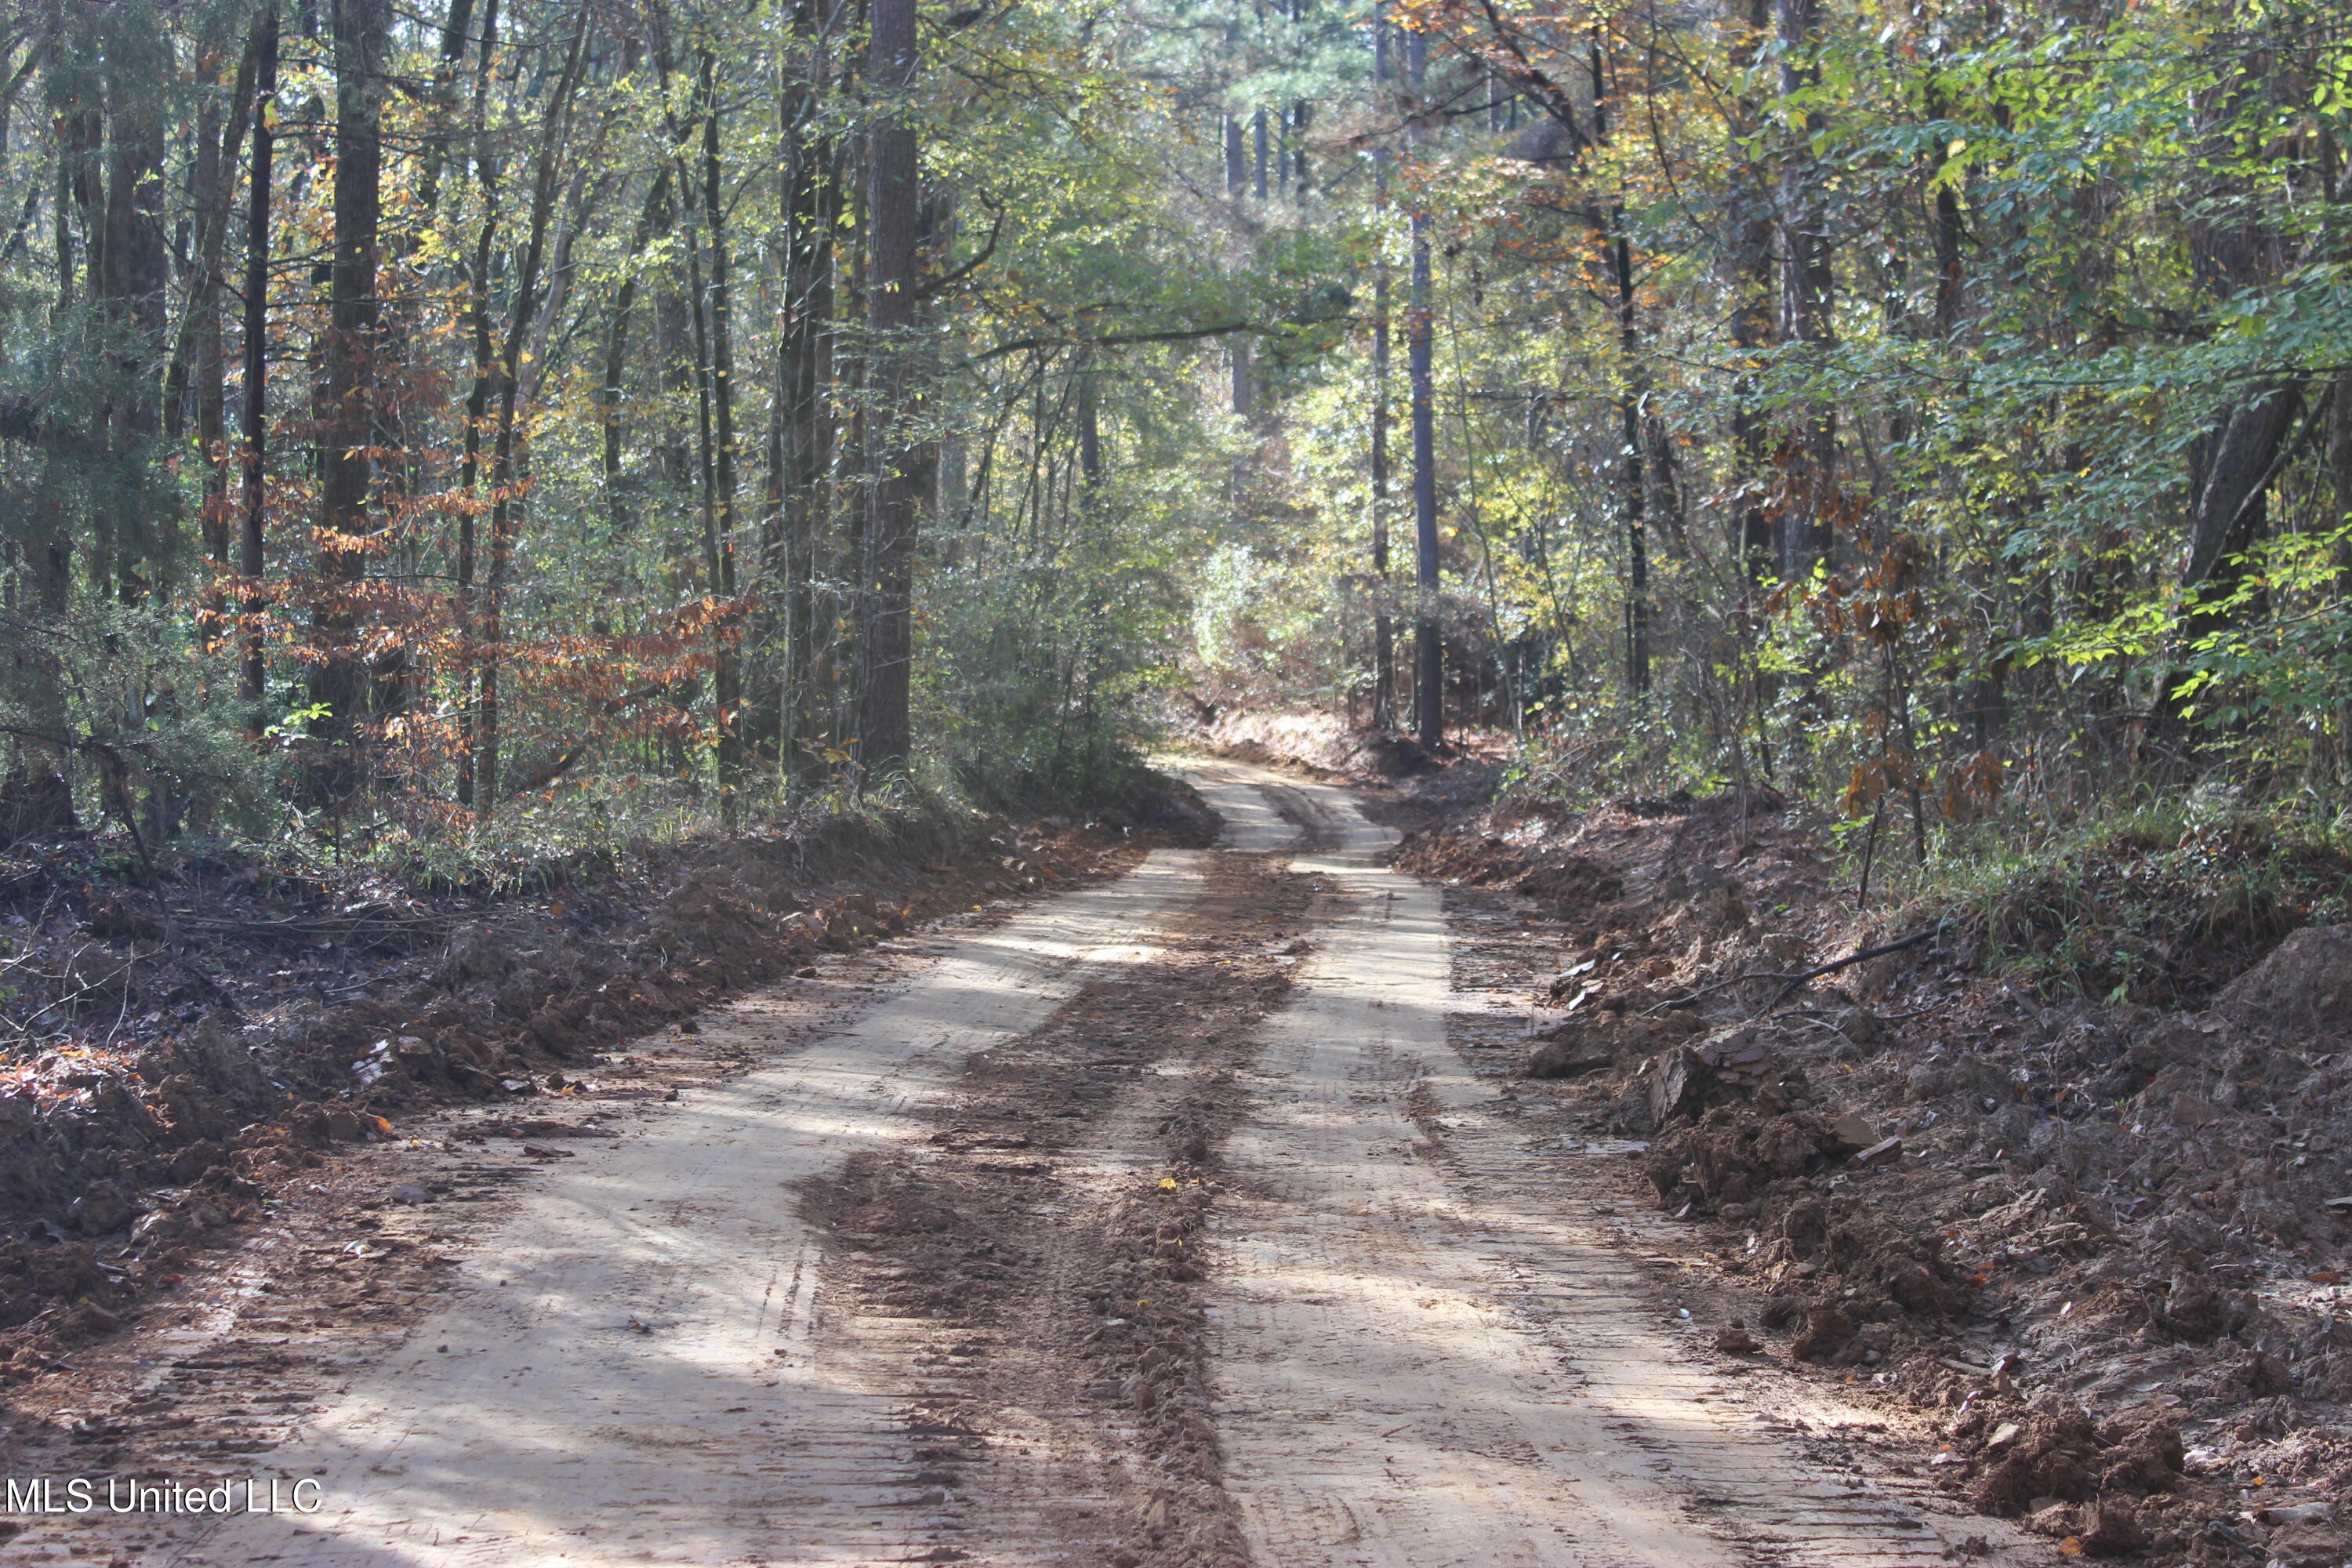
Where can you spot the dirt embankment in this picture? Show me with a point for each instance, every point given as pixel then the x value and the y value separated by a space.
pixel 2103 1245
pixel 164 1081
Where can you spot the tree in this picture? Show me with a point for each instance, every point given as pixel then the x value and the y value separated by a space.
pixel 346 415
pixel 1428 634
pixel 898 456
pixel 251 560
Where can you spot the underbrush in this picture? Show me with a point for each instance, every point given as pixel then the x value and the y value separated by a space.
pixel 1606 753
pixel 104 948
pixel 2159 900
pixel 2161 904
pixel 583 829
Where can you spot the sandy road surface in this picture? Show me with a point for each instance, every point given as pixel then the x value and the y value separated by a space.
pixel 1414 1373
pixel 631 1373
pixel 1415 1355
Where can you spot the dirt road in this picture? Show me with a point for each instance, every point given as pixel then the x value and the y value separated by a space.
pixel 1157 1223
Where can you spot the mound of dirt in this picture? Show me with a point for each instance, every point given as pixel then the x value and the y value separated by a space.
pixel 2303 987
pixel 2105 1247
pixel 2165 917
pixel 168 1088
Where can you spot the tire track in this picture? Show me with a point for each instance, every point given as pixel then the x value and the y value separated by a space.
pixel 1038 1261
pixel 611 1389
pixel 1419 1359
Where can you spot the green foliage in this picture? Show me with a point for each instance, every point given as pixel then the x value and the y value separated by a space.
pixel 2158 904
pixel 2062 254
pixel 108 690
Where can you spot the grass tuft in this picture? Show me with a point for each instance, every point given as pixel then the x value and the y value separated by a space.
pixel 2160 905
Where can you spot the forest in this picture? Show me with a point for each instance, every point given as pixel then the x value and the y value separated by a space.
pixel 1178 784
pixel 427 437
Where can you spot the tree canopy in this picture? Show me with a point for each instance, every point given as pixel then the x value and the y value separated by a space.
pixel 549 417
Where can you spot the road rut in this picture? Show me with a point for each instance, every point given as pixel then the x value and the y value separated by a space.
pixel 1396 1349
pixel 1416 1370
pixel 634 1371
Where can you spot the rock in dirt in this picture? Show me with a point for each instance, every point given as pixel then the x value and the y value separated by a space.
pixel 2304 987
pixel 2144 1459
pixel 1863 1027
pixel 1730 1064
pixel 474 955
pixel 540 1127
pixel 1826 1332
pixel 1852 1131
pixel 103 1209
pixel 2189 1112
pixel 2113 1530
pixel 1572 883
pixel 2044 1461
pixel 2308 1546
pixel 2266 1374
pixel 1565 1058
pixel 1734 1153
pixel 1737 1340
pixel 2193 1310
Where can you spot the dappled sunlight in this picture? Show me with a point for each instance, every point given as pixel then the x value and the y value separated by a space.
pixel 1253 826
pixel 1416 1363
pixel 1414 1356
pixel 629 1368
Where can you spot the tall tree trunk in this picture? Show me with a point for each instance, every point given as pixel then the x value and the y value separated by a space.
pixel 256 356
pixel 1384 683
pixel 347 373
pixel 1751 283
pixel 133 283
pixel 2230 470
pixel 2230 506
pixel 214 181
pixel 1090 457
pixel 1805 299
pixel 2339 473
pixel 727 678
pixel 1299 113
pixel 652 221
pixel 805 350
pixel 505 461
pixel 1429 642
pixel 81 196
pixel 467 600
pixel 443 96
pixel 1634 481
pixel 898 460
pixel 1948 247
pixel 577 211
